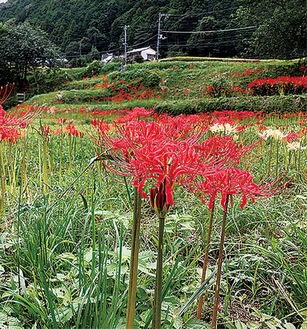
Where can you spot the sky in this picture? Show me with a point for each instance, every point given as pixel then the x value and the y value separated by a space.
pixel 3 1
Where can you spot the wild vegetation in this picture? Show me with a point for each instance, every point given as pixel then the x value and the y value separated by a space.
pixel 115 211
pixel 177 87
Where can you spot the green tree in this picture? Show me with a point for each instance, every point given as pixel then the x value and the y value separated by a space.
pixel 281 28
pixel 24 48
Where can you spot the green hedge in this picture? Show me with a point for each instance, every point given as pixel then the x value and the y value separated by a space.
pixel 272 104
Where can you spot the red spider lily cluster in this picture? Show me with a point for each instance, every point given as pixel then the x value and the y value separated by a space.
pixel 122 91
pixel 280 85
pixel 10 125
pixel 70 130
pixel 213 91
pixel 171 151
pixel 248 72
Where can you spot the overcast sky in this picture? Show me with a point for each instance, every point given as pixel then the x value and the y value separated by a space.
pixel 3 1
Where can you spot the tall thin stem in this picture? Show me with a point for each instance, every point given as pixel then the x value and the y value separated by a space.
pixel 219 268
pixel 205 264
pixel 45 164
pixel 270 157
pixel 134 260
pixel 156 317
pixel 2 179
pixel 277 156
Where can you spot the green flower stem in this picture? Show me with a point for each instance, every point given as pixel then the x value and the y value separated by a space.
pixel 2 178
pixel 270 157
pixel 45 164
pixel 156 317
pixel 277 156
pixel 219 269
pixel 299 163
pixel 61 157
pixel 205 264
pixel 134 260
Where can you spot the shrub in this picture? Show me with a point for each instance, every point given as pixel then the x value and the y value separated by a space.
pixel 272 104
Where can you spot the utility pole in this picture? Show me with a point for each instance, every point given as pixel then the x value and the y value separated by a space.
pixel 160 36
pixel 125 43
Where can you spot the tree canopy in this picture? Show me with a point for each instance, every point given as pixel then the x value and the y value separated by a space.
pixel 262 29
pixel 23 47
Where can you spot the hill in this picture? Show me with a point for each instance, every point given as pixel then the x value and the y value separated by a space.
pixel 179 87
pixel 264 29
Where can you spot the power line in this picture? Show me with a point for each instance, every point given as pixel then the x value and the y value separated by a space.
pixel 211 31
pixel 201 13
pixel 140 43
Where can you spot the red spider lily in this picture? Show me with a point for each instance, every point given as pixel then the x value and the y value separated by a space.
pixel 223 119
pixel 46 130
pixel 134 114
pixel 101 126
pixel 145 94
pixel 5 92
pixel 248 72
pixel 149 153
pixel 73 131
pixel 232 181
pixel 103 85
pixel 292 137
pixel 158 200
pixel 232 114
pixel 223 150
pixel 183 126
pixel 262 128
pixel 286 84
pixel 186 92
pixel 135 134
pixel 9 134
pixel 10 124
pixel 210 90
pixel 61 121
pixel 168 163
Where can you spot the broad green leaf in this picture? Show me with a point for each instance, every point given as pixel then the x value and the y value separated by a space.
pixel 196 324
pixel 240 325
pixel 288 325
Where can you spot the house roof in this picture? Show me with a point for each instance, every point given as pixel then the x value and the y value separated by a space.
pixel 148 50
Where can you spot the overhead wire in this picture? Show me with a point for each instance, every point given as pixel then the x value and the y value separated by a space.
pixel 186 15
pixel 210 31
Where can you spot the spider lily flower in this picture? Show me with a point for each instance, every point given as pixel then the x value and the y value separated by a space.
pixel 5 92
pixel 73 131
pixel 232 181
pixel 10 124
pixel 225 128
pixel 134 114
pixel 223 150
pixel 295 146
pixel 149 154
pixel 291 137
pixel 9 134
pixel 158 200
pixel 183 126
pixel 168 163
pixel 273 133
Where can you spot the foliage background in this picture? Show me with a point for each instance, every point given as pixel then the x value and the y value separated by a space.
pixel 263 29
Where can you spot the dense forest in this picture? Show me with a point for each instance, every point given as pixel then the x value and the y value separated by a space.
pixel 254 29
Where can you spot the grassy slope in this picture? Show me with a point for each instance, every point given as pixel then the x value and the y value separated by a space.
pixel 184 87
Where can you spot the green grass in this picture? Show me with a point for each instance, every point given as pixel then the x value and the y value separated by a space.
pixel 182 85
pixel 65 240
